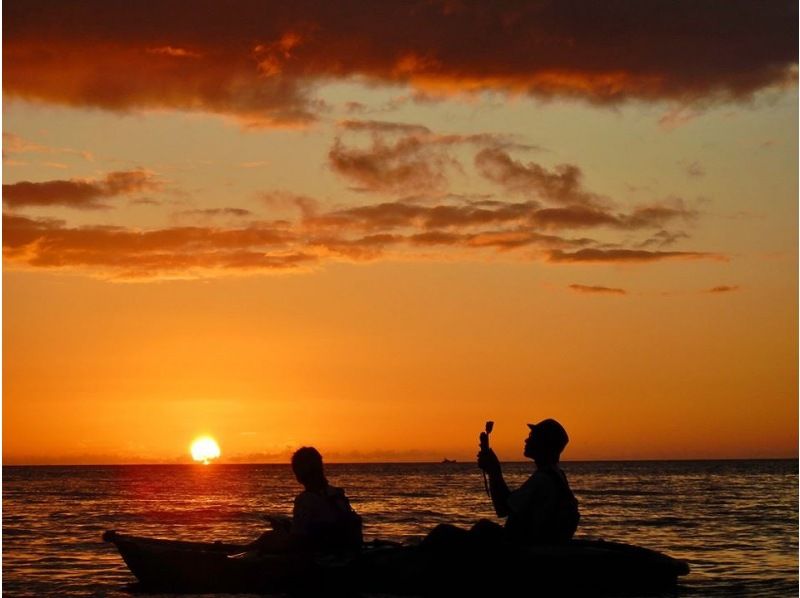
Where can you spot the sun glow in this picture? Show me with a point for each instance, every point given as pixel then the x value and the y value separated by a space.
pixel 204 449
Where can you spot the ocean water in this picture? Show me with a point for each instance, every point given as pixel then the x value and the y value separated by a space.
pixel 735 522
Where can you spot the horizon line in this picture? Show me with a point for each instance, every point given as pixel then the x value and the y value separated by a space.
pixel 455 462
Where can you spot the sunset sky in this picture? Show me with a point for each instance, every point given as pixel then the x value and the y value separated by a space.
pixel 370 227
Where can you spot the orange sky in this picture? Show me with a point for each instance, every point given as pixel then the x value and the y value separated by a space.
pixel 287 225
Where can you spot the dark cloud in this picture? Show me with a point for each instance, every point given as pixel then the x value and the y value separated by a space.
pixel 378 126
pixel 581 288
pixel 83 194
pixel 561 186
pixel 404 157
pixel 723 289
pixel 591 255
pixel 400 214
pixel 406 165
pixel 261 60
pixel 663 238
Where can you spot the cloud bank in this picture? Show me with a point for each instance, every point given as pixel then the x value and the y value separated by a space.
pixel 261 61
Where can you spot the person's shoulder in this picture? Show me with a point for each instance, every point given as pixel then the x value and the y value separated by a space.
pixel 306 498
pixel 334 491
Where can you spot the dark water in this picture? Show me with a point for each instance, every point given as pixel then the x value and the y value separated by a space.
pixel 736 522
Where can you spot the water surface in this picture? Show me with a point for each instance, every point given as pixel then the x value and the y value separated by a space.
pixel 736 522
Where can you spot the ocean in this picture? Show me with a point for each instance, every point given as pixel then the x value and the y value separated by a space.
pixel 735 522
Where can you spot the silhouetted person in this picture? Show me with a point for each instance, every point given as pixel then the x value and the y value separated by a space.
pixel 322 519
pixel 543 510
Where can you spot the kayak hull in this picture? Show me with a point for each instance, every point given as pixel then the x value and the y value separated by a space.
pixel 588 566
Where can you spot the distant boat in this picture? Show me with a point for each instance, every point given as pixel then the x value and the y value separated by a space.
pixel 448 460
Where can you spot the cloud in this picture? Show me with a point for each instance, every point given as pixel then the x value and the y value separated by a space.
pixel 402 166
pixel 439 226
pixel 261 61
pixel 594 290
pixel 591 255
pixel 355 107
pixel 562 186
pixel 214 212
pixel 402 214
pixel 174 52
pixel 14 144
pixel 124 253
pixel 377 126
pixel 678 116
pixel 404 157
pixel 308 206
pixel 723 289
pixel 663 238
pixel 85 194
pixel 144 201
pixel 693 169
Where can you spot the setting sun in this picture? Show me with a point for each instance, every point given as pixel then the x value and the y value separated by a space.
pixel 204 449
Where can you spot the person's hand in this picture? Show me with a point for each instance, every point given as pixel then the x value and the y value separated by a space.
pixel 488 461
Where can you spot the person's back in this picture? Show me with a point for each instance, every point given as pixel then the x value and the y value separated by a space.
pixel 543 510
pixel 323 518
pixel 326 519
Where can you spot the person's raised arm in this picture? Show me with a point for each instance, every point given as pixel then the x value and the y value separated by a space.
pixel 498 488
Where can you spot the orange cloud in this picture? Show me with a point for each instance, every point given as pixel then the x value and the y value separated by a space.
pixel 78 193
pixel 14 144
pixel 129 253
pixel 447 226
pixel 214 212
pixel 174 52
pixel 259 61
pixel 581 288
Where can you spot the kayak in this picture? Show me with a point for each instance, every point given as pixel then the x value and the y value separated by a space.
pixel 587 566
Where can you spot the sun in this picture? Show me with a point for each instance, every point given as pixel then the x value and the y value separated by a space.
pixel 204 449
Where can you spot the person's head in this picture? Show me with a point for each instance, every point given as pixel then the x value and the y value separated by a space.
pixel 307 467
pixel 545 442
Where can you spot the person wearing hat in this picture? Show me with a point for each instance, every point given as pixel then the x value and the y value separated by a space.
pixel 543 510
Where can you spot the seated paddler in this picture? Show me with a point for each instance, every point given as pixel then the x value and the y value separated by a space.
pixel 322 518
pixel 543 510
